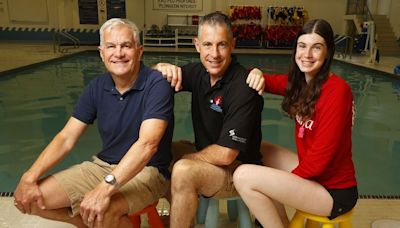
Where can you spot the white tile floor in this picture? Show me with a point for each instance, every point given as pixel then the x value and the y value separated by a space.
pixel 375 213
pixel 10 217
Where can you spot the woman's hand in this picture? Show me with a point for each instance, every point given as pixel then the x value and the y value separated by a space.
pixel 172 73
pixel 256 81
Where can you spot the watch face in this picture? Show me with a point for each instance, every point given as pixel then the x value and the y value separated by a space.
pixel 109 179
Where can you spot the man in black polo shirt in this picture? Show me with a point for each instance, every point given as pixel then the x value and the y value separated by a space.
pixel 226 119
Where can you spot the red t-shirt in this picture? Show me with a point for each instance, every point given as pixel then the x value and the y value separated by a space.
pixel 324 142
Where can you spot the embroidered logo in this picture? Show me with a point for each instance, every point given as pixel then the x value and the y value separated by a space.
pixel 236 138
pixel 216 103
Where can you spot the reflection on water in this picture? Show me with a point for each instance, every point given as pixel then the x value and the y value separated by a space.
pixel 35 103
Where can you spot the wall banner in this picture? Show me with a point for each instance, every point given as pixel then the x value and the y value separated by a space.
pixel 187 5
pixel 88 12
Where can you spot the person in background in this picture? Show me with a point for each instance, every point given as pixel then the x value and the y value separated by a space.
pixel 226 116
pixel 133 105
pixel 321 178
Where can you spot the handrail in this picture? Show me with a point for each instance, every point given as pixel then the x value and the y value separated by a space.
pixel 344 46
pixel 339 39
pixel 372 36
pixel 369 14
pixel 363 12
pixel 57 40
pixel 360 11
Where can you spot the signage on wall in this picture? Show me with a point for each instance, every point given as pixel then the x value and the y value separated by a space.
pixel 88 12
pixel 187 5
pixel 116 8
pixel 98 11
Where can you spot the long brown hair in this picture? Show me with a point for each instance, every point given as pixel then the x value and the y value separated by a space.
pixel 300 98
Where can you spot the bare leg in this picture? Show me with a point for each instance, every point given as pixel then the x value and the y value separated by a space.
pixel 57 206
pixel 56 202
pixel 278 157
pixel 58 215
pixel 267 206
pixel 259 186
pixel 190 177
pixel 117 214
pixel 280 208
pixel 179 149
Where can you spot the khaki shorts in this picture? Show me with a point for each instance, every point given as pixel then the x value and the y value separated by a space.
pixel 145 188
pixel 227 190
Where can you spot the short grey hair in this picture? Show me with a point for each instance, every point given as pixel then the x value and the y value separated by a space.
pixel 109 24
pixel 216 18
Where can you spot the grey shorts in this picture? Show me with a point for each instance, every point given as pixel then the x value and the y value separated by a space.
pixel 145 188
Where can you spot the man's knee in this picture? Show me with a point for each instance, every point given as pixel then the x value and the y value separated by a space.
pixel 54 196
pixel 188 168
pixel 183 167
pixel 184 173
pixel 118 208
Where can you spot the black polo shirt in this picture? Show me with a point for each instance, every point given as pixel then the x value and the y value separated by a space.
pixel 227 114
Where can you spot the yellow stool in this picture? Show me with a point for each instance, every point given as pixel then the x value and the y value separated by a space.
pixel 313 221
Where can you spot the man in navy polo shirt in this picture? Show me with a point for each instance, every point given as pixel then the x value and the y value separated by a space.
pixel 226 120
pixel 133 105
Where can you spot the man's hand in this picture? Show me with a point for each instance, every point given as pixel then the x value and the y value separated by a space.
pixel 172 73
pixel 26 193
pixel 256 81
pixel 94 205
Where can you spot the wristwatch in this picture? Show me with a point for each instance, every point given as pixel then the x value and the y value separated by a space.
pixel 110 179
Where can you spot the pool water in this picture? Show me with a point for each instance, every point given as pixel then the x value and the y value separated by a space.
pixel 35 104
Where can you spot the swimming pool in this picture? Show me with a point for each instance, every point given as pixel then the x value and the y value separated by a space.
pixel 36 102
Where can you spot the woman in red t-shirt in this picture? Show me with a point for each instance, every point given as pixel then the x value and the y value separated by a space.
pixel 321 178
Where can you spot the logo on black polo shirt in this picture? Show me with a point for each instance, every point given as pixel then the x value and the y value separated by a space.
pixel 236 138
pixel 216 103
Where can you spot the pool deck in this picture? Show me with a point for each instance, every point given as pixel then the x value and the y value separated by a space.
pixel 375 213
pixel 369 213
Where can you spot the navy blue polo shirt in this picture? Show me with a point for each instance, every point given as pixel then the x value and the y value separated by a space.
pixel 120 116
pixel 228 113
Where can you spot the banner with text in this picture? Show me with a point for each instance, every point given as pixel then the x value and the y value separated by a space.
pixel 188 5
